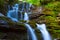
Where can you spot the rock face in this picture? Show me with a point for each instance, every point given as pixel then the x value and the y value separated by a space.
pixel 35 15
pixel 12 32
pixel 13 36
pixel 36 12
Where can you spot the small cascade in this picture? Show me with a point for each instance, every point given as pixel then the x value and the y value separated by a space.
pixel 21 11
pixel 45 34
pixel 31 32
pixel 26 18
pixel 16 10
pixel 13 14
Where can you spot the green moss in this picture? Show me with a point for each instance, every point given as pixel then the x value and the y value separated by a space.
pixel 54 6
pixel 32 23
pixel 37 3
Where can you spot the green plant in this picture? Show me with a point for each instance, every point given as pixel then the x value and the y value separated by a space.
pixel 34 2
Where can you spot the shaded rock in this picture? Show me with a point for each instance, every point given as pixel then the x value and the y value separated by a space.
pixel 1 14
pixel 35 15
pixel 3 22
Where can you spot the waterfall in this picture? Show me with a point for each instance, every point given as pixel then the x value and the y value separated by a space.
pixel 26 18
pixel 16 10
pixel 45 34
pixel 22 10
pixel 31 32
pixel 13 14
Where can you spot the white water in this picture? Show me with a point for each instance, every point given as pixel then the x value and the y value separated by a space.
pixel 45 34
pixel 11 15
pixel 26 18
pixel 31 31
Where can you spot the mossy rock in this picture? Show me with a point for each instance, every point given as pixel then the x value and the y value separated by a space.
pixel 32 23
pixel 11 24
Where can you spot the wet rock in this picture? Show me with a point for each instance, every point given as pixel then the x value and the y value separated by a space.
pixel 1 14
pixel 13 36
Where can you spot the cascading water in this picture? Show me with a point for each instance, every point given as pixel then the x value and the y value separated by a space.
pixel 17 7
pixel 13 14
pixel 22 10
pixel 31 32
pixel 26 18
pixel 45 34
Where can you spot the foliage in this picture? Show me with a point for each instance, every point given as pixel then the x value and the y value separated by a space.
pixel 1 2
pixel 34 2
pixel 11 2
pixel 32 23
pixel 54 6
pixel 48 12
pixel 51 21
pixel 52 25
